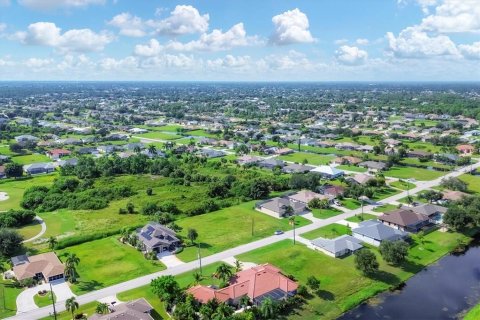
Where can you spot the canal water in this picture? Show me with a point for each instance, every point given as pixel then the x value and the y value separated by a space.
pixel 442 291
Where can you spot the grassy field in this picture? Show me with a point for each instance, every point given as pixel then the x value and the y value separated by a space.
pixel 200 133
pixel 166 128
pixel 230 227
pixel 351 168
pixel 8 298
pixel 424 146
pixel 385 208
pixel 342 287
pixel 325 213
pixel 106 262
pixel 31 158
pixel 88 309
pixel 16 188
pixel 417 162
pixel 159 135
pixel 312 158
pixel 473 314
pixel 30 230
pixel 411 172
pixel 331 231
pixel 358 218
pixel 402 185
pixel 5 150
pixel 384 192
pixel 472 181
pixel 42 301
pixel 351 203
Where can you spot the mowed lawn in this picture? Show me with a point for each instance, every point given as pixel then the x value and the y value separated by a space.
pixel 402 185
pixel 8 298
pixel 472 181
pixel 359 217
pixel 311 158
pixel 30 230
pixel 416 173
pixel 31 158
pixel 351 168
pixel 326 213
pixel 16 188
pixel 342 287
pixel 231 227
pixel 159 135
pixel 106 262
pixel 330 231
pixel 473 314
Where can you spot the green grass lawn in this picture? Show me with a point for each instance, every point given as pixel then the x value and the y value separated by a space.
pixel 200 133
pixel 331 231
pixel 402 185
pixel 5 150
pixel 385 208
pixel 472 181
pixel 166 128
pixel 325 213
pixel 30 230
pixel 8 298
pixel 384 192
pixel 342 287
pixel 424 146
pixel 312 158
pixel 358 218
pixel 417 162
pixel 351 203
pixel 159 135
pixel 106 262
pixel 88 309
pixel 31 158
pixel 411 172
pixel 16 188
pixel 42 301
pixel 473 314
pixel 230 227
pixel 351 168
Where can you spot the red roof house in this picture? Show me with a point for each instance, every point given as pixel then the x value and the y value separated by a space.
pixel 58 153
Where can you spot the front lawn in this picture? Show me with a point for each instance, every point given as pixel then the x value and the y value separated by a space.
pixel 312 158
pixel 45 300
pixel 402 185
pixel 87 309
pixel 31 158
pixel 326 213
pixel 106 262
pixel 384 192
pixel 472 181
pixel 8 298
pixel 351 204
pixel 385 208
pixel 359 217
pixel 351 168
pixel 411 172
pixel 331 231
pixel 231 227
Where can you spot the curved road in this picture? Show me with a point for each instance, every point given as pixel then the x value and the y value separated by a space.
pixel 145 280
pixel 42 232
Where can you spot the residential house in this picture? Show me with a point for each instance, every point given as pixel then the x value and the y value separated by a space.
pixel 328 172
pixel 271 163
pixel 297 168
pixel 138 309
pixel 347 160
pixel 157 238
pixel 451 195
pixel 305 196
pixel 338 247
pixel 107 149
pixel 373 165
pixel 87 150
pixel 284 151
pixel 133 146
pixel 138 130
pixel 432 211
pixel 419 154
pixel 447 158
pixel 374 232
pixel 465 150
pixel 278 207
pixel 404 219
pixel 45 266
pixel 257 283
pixel 360 178
pixel 26 138
pixel 333 191
pixel 37 168
pixel 70 162
pixel 248 160
pixel 56 154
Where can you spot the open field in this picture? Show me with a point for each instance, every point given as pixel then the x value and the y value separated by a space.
pixel 106 262
pixel 473 314
pixel 230 227
pixel 16 188
pixel 402 185
pixel 325 213
pixel 411 172
pixel 385 208
pixel 342 286
pixel 30 230
pixel 331 231
pixel 312 158
pixel 31 158
pixel 8 296
pixel 359 217
pixel 473 182
pixel 200 133
pixel 351 168
pixel 159 135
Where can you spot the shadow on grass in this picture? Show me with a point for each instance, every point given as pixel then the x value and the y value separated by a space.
pixel 325 295
pixel 386 277
pixel 89 285
pixel 155 315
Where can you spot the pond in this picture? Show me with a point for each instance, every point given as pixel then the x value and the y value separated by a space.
pixel 444 290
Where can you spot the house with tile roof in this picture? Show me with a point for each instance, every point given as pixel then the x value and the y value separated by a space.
pixel 45 266
pixel 404 219
pixel 374 232
pixel 138 309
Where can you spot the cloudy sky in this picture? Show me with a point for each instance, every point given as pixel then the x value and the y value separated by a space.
pixel 268 40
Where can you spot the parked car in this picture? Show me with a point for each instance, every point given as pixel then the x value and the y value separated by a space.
pixel 278 232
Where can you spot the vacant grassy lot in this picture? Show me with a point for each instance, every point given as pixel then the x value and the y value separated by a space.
pixel 8 297
pixel 325 213
pixel 106 262
pixel 424 146
pixel 473 182
pixel 16 188
pixel 31 158
pixel 30 230
pixel 385 192
pixel 342 286
pixel 411 172
pixel 331 231
pixel 159 135
pixel 417 162
pixel 311 158
pixel 385 208
pixel 200 133
pixel 230 227
pixel 351 168
pixel 87 309
pixel 359 217
pixel 473 314
pixel 402 185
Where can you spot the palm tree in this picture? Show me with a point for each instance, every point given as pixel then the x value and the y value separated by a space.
pixel 125 235
pixel 223 311
pixel 197 277
pixel 102 308
pixel 52 242
pixel 244 301
pixel 72 259
pixel 224 272
pixel 70 273
pixel 267 309
pixel 137 149
pixel 238 266
pixel 192 235
pixel 71 305
pixel 152 149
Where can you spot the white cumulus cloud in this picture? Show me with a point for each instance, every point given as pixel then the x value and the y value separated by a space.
pixel 54 4
pixel 184 19
pixel 151 49
pixel 470 51
pixel 129 25
pixel 291 27
pixel 352 56
pixel 452 16
pixel 75 40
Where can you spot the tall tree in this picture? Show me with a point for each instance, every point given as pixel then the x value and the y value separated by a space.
pixel 52 242
pixel 366 261
pixel 192 235
pixel 224 272
pixel 71 305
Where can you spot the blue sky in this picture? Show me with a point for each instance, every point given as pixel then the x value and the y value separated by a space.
pixel 267 40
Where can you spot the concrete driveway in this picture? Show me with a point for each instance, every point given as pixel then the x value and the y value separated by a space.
pixel 170 260
pixel 25 301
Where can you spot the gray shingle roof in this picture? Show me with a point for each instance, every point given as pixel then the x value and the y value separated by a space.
pixel 378 231
pixel 338 244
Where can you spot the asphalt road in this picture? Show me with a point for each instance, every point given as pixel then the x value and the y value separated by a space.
pixel 141 281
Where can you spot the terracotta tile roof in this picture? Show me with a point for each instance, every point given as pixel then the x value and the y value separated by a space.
pixel 47 264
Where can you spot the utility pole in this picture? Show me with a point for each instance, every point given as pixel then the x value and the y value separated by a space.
pixel 53 302
pixel 253 225
pixel 199 259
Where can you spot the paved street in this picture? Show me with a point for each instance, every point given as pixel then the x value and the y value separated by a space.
pixel 141 281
